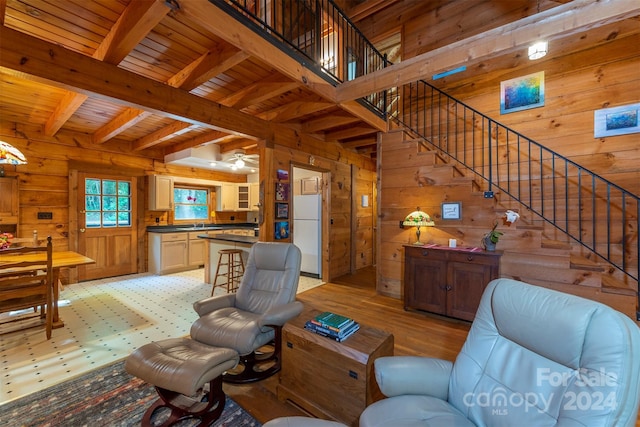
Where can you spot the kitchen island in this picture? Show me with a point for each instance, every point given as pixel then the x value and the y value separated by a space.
pixel 220 241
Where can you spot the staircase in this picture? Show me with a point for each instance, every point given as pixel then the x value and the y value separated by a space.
pixel 591 251
pixel 534 250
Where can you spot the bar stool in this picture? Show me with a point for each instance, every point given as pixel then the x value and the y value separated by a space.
pixel 231 259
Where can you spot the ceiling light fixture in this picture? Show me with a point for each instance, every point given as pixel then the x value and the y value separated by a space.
pixel 239 164
pixel 10 155
pixel 538 50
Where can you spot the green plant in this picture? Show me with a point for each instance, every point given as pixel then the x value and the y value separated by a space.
pixel 494 235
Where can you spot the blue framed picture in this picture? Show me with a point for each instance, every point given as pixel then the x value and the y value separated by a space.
pixel 282 230
pixel 522 93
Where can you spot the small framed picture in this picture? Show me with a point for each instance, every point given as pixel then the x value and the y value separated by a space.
pixel 282 230
pixel 282 210
pixel 282 192
pixel 283 175
pixel 451 210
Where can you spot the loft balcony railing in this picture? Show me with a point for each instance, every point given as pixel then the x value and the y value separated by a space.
pixel 594 212
pixel 318 34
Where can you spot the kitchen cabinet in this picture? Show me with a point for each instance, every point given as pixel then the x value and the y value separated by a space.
pixel 234 197
pixel 197 248
pixel 9 202
pixel 173 252
pixel 243 197
pixel 160 193
pixel 254 196
pixel 447 281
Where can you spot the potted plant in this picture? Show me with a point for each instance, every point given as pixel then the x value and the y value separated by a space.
pixel 490 239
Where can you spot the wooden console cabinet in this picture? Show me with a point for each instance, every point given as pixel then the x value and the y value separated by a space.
pixel 447 281
pixel 328 379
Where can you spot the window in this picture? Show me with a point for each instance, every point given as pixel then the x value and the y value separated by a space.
pixel 107 203
pixel 190 204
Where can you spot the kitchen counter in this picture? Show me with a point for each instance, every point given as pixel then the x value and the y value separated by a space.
pixel 230 238
pixel 205 227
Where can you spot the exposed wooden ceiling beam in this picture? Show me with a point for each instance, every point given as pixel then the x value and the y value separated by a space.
pixel 368 8
pixel 259 91
pixel 154 138
pixel 188 78
pixel 558 21
pixel 206 67
pixel 133 25
pixel 3 9
pixel 205 138
pixel 350 132
pixel 294 110
pixel 52 64
pixel 332 121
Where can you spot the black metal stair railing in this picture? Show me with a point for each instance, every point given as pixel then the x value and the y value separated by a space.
pixel 318 34
pixel 594 212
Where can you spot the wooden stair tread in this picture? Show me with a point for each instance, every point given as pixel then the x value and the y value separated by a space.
pixel 578 262
pixel 555 244
pixel 614 286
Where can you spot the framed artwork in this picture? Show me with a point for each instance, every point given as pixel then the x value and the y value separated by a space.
pixel 522 93
pixel 282 192
pixel 282 210
pixel 616 121
pixel 282 230
pixel 283 175
pixel 451 210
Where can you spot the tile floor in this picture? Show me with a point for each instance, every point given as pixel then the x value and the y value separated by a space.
pixel 104 321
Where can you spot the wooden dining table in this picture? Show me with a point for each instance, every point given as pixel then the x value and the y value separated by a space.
pixel 59 260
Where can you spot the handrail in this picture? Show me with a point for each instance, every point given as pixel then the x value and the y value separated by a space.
pixel 318 34
pixel 594 212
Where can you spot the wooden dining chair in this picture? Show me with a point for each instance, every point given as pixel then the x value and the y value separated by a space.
pixel 26 281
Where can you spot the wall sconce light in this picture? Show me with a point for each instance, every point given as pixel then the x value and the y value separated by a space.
pixel 418 219
pixel 538 50
pixel 10 155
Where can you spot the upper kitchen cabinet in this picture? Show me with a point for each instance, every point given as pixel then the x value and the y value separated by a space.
pixel 160 193
pixel 236 197
pixel 9 201
pixel 254 196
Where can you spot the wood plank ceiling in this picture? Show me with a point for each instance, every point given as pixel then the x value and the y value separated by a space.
pixel 219 82
pixel 150 39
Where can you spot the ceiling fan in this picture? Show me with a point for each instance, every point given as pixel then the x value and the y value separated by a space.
pixel 239 159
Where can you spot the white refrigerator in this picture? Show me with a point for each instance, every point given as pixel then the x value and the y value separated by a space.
pixel 307 231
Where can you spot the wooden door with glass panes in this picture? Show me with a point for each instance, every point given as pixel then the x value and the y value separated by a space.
pixel 106 222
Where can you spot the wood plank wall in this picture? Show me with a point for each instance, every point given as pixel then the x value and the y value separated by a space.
pixel 604 74
pixel 348 230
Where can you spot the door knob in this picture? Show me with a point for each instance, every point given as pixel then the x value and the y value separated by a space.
pixel 82 230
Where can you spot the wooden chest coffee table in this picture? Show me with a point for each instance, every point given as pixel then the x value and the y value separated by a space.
pixel 328 379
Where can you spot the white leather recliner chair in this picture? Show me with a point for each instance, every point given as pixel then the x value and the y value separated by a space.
pixel 533 357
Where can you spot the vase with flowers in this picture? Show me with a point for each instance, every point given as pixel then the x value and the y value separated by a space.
pixel 5 240
pixel 490 239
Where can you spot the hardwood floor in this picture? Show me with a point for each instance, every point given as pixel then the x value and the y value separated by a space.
pixel 355 296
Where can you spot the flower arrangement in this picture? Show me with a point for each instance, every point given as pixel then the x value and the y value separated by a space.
pixel 490 239
pixel 4 240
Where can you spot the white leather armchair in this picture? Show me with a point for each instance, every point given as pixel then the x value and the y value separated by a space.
pixel 533 357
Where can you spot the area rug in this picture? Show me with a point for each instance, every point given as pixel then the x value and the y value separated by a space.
pixel 108 396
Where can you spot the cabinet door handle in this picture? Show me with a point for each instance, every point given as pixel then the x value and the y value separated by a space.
pixel 448 288
pixel 469 258
pixel 425 253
